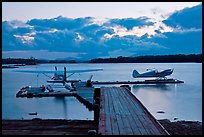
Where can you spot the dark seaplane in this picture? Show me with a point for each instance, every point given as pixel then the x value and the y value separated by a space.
pixel 152 73
pixel 160 75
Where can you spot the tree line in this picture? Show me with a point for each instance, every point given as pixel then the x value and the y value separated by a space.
pixel 30 61
pixel 151 59
pixel 33 61
pixel 139 59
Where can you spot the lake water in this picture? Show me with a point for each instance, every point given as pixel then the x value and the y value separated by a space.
pixel 182 101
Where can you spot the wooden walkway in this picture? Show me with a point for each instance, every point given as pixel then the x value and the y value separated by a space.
pixel 83 93
pixel 121 113
pixel 168 81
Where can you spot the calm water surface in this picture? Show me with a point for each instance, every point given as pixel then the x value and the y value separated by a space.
pixel 182 101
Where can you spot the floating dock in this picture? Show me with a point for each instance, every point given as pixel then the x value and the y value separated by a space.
pixel 121 113
pixel 83 93
pixel 167 81
pixel 46 94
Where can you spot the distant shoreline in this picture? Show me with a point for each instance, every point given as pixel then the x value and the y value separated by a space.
pixel 179 58
pixel 197 58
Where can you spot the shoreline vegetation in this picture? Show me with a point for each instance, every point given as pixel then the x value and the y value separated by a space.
pixel 38 126
pixel 152 59
pixel 179 58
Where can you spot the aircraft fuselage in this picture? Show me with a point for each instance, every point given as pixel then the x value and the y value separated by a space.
pixel 155 73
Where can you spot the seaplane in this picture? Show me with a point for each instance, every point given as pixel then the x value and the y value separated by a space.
pixel 159 75
pixel 152 73
pixel 59 77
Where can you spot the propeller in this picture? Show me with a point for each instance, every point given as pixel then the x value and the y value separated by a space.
pixel 55 75
pixel 89 83
pixel 91 77
pixel 172 70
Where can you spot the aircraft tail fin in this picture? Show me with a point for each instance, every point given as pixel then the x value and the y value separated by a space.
pixel 135 74
pixel 65 76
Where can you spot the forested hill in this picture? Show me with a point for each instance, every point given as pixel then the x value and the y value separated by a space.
pixel 140 59
pixel 30 61
pixel 151 59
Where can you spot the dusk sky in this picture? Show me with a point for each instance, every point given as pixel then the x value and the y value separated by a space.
pixel 28 10
pixel 85 30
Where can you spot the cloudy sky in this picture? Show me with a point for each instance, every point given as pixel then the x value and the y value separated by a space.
pixel 85 30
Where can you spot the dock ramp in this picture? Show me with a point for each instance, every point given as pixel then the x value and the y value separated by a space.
pixel 121 113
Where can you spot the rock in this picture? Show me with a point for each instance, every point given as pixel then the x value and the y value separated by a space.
pixel 182 127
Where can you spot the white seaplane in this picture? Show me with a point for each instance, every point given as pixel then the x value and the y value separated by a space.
pixel 59 77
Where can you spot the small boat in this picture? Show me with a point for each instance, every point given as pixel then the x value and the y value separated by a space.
pixel 33 113
pixel 160 111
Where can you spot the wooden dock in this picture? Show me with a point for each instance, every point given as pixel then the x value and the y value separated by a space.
pixel 171 81
pixel 83 93
pixel 47 94
pixel 121 113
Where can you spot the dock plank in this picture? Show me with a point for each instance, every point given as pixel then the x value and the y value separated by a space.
pixel 108 129
pixel 101 124
pixel 143 127
pixel 135 122
pixel 122 121
pixel 120 124
pixel 114 124
pixel 147 124
pixel 123 114
pixel 158 128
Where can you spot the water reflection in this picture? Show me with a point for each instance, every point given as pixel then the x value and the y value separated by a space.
pixel 153 94
pixel 63 101
pixel 154 87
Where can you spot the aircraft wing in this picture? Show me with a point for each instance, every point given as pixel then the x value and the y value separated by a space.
pixel 36 71
pixel 58 72
pixel 79 71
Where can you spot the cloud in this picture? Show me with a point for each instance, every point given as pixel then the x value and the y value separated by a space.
pixel 180 43
pixel 129 23
pixel 79 37
pixel 99 21
pixel 25 39
pixel 183 30
pixel 18 24
pixel 186 18
pixel 139 31
pixel 89 37
pixel 61 22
